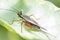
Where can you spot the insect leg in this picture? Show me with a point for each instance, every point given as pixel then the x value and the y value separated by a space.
pixel 47 34
pixel 16 20
pixel 21 25
pixel 34 16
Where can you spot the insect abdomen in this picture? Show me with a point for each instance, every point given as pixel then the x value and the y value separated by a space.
pixel 28 24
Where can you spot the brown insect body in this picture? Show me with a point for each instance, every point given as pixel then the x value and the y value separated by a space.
pixel 28 21
pixel 28 24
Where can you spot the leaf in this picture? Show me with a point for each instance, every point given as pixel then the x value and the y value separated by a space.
pixel 7 33
pixel 40 9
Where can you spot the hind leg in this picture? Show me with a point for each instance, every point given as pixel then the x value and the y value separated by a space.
pixel 34 16
pixel 47 34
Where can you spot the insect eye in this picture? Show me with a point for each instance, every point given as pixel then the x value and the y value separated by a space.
pixel 19 13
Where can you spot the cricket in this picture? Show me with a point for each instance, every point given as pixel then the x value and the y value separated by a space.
pixel 29 22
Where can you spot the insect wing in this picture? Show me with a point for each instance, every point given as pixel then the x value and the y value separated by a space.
pixel 27 18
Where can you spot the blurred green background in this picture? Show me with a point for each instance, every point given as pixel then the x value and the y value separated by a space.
pixel 55 2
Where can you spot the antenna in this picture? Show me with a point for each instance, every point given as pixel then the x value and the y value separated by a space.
pixel 12 9
pixel 8 10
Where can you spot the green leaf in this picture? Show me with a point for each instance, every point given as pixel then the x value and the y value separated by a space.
pixel 44 10
pixel 7 33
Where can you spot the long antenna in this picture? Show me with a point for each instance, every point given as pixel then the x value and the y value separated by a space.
pixel 13 8
pixel 8 10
